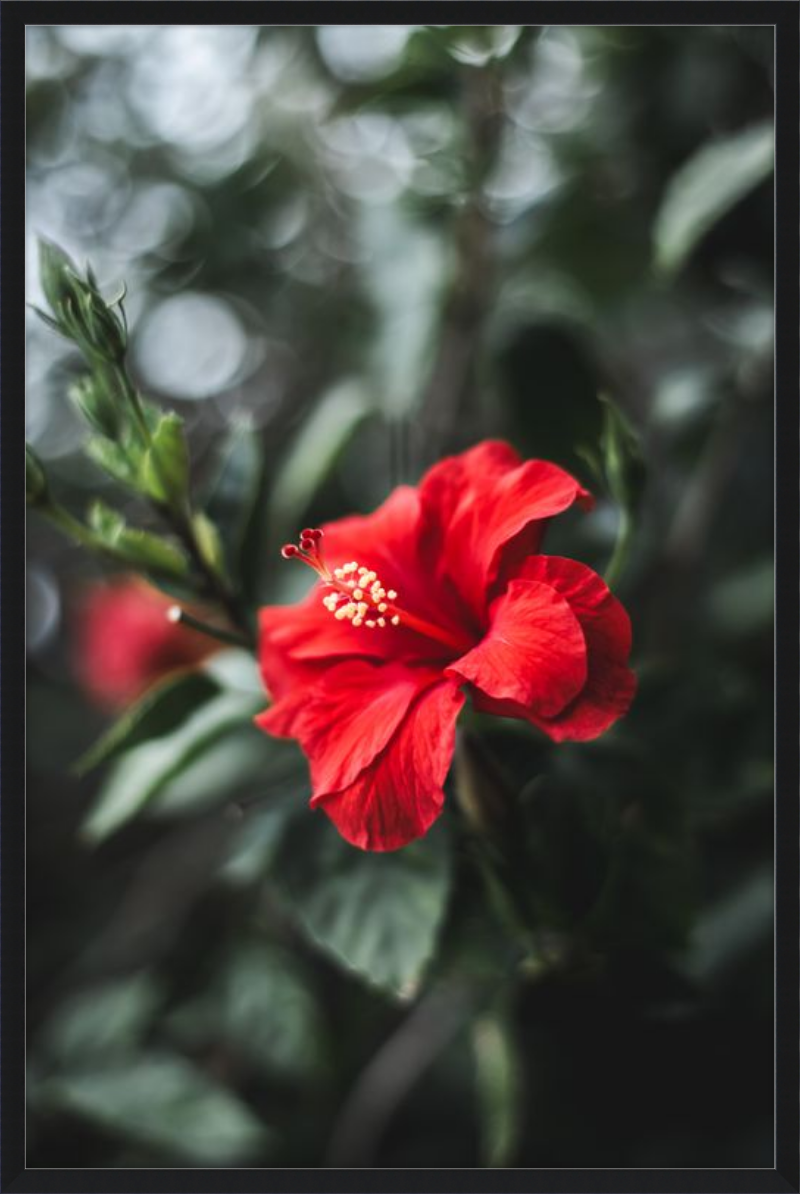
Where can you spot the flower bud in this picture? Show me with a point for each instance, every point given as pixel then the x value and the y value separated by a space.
pixel 81 313
pixel 57 273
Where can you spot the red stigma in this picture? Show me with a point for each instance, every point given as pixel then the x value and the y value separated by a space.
pixel 308 551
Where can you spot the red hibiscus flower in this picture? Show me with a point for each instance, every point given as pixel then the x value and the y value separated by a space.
pixel 442 589
pixel 125 642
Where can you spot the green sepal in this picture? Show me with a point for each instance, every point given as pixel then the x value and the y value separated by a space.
pixel 97 406
pixel 107 524
pixel 111 458
pixel 164 470
pixel 150 551
pixel 57 273
pixel 136 547
pixel 209 542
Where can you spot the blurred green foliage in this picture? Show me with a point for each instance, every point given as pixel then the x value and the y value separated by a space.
pixel 348 251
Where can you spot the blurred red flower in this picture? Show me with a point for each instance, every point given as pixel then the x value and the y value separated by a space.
pixel 125 642
pixel 448 591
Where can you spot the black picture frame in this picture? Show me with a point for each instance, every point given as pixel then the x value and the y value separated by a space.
pixel 14 1176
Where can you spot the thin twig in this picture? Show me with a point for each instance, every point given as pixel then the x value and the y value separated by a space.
pixel 180 617
pixel 392 1073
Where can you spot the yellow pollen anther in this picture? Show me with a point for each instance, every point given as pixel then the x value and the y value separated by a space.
pixel 353 591
pixel 351 599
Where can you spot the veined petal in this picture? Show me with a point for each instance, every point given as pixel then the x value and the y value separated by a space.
pixel 610 684
pixel 387 538
pixel 296 642
pixel 485 504
pixel 346 718
pixel 534 652
pixel 399 796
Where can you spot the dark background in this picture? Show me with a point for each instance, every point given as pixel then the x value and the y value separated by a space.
pixel 371 247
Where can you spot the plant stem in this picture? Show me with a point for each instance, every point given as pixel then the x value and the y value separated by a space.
pixel 215 585
pixel 181 617
pixel 131 396
pixel 70 526
pixel 622 546
pixel 180 520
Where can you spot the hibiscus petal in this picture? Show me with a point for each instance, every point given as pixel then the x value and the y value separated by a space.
pixel 534 652
pixel 399 796
pixel 386 539
pixel 486 503
pixel 344 720
pixel 610 684
pixel 297 642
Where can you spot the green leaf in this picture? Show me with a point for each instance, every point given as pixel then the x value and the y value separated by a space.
pixel 233 500
pixel 706 187
pixel 35 478
pixel 647 899
pixel 140 548
pixel 209 542
pixel 150 551
pixel 744 602
pixel 236 669
pixel 499 1088
pixel 256 844
pixel 310 459
pixel 536 360
pixel 162 708
pixel 111 458
pixel 376 914
pixel 407 271
pixel 101 1023
pixel 163 1102
pixel 106 523
pixel 230 770
pixel 736 924
pixel 99 407
pixel 262 1006
pixel 164 472
pixel 53 324
pixel 145 770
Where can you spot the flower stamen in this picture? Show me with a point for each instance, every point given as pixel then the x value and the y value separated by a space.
pixel 357 595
